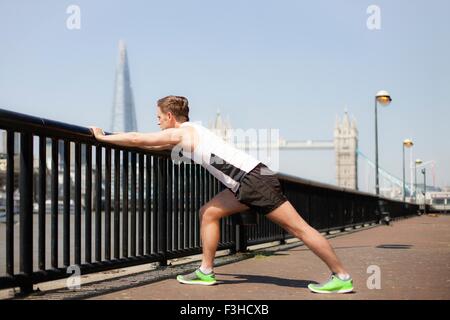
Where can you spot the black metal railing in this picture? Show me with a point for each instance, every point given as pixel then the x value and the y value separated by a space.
pixel 99 206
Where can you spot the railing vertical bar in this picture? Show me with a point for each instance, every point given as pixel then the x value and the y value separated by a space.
pixel 227 236
pixel 133 205
pixel 176 213
pixel 88 206
pixel 155 198
pixel 54 204
pixel 187 210
pixel 10 203
pixel 182 207
pixel 224 236
pixel 107 203
pixel 198 186
pixel 141 205
pixel 66 205
pixel 125 195
pixel 162 209
pixel 192 206
pixel 229 227
pixel 116 203
pixel 211 186
pixel 98 203
pixel 148 204
pixel 191 203
pixel 26 210
pixel 207 190
pixel 42 195
pixel 77 203
pixel 169 214
pixel 204 196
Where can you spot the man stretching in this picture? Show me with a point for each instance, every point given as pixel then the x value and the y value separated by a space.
pixel 250 185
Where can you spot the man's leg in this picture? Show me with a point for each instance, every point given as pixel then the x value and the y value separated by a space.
pixel 222 205
pixel 288 218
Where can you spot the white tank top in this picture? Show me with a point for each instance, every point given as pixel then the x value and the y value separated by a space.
pixel 223 160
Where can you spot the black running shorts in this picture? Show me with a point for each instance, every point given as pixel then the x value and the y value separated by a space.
pixel 260 192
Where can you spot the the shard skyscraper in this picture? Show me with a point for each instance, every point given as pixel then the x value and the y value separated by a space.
pixel 123 114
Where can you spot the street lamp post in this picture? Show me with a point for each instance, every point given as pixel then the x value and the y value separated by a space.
pixel 384 99
pixel 424 190
pixel 406 143
pixel 418 161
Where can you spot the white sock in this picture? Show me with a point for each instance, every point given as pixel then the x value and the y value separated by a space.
pixel 206 270
pixel 343 276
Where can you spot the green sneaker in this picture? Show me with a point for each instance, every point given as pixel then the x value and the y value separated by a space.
pixel 333 285
pixel 198 277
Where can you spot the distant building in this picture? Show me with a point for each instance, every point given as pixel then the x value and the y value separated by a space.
pixel 439 200
pixel 123 112
pixel 221 127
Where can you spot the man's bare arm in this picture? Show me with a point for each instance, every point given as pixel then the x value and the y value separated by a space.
pixel 135 139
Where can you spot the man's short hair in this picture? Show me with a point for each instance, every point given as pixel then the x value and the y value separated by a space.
pixel 177 105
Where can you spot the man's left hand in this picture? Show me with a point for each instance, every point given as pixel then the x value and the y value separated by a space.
pixel 97 132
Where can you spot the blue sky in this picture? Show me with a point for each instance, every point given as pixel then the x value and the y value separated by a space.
pixel 291 65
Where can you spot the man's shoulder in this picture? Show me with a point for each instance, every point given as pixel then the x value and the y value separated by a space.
pixel 187 132
pixel 186 128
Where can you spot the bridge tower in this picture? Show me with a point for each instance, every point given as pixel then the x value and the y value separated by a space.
pixel 345 146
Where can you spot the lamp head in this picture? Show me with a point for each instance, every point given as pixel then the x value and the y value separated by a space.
pixel 383 97
pixel 408 143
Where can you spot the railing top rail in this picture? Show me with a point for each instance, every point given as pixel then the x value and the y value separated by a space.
pixel 19 121
pixel 290 178
pixel 51 128
pixel 294 179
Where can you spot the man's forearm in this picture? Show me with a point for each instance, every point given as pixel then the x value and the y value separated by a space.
pixel 131 139
pixel 127 139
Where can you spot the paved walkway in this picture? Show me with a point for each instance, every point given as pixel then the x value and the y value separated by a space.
pixel 413 257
